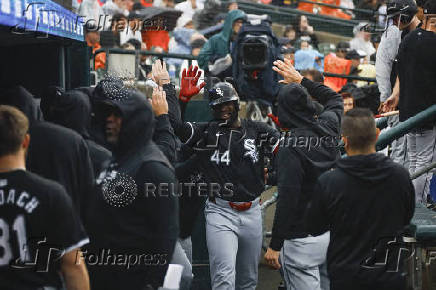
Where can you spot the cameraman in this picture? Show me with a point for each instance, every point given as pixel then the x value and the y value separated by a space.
pixel 215 57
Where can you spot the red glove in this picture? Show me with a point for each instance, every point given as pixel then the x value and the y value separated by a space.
pixel 188 86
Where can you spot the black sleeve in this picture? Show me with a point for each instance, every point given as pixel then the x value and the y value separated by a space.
pixel 410 202
pixel 162 212
pixel 289 182
pixel 332 101
pixel 164 137
pixel 85 174
pixel 66 230
pixel 182 129
pixel 317 218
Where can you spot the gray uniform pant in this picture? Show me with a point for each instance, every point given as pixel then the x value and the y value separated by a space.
pixel 398 146
pixel 422 153
pixel 181 258
pixel 303 263
pixel 234 242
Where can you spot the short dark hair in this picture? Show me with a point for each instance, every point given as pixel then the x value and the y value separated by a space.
pixel 315 74
pixel 13 128
pixel 358 126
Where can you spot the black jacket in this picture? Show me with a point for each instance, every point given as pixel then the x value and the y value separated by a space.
pixel 55 152
pixel 308 149
pixel 72 109
pixel 132 220
pixel 365 203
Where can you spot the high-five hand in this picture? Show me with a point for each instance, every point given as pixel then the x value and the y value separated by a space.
pixel 188 86
pixel 159 73
pixel 287 71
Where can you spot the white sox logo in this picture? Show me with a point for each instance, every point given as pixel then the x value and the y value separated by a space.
pixel 251 152
pixel 219 92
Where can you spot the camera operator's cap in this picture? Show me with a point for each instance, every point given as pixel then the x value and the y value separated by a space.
pixel 360 27
pixel 222 92
pixel 354 54
pixel 288 50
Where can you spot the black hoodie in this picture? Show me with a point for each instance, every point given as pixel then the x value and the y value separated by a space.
pixel 309 149
pixel 55 152
pixel 131 220
pixel 365 203
pixel 72 109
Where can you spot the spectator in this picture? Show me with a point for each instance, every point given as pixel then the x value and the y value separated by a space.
pixel 214 57
pixel 131 30
pixel 116 7
pixel 348 102
pixel 307 58
pixel 289 53
pixel 337 64
pixel 232 5
pixel 290 33
pixel 207 17
pixel 92 38
pixel 356 59
pixel 188 8
pixel 181 43
pixel 367 5
pixel 417 73
pixel 196 46
pixel 351 202
pixel 362 40
pixel 302 28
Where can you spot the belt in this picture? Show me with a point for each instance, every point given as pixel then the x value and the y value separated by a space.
pixel 238 206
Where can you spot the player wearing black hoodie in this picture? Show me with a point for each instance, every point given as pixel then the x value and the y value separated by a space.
pixel 72 109
pixel 365 203
pixel 136 221
pixel 308 150
pixel 55 152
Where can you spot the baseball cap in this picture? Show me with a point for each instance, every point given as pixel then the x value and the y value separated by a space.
pixel 353 54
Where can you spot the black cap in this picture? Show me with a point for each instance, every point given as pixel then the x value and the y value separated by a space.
pixel 353 54
pixel 343 46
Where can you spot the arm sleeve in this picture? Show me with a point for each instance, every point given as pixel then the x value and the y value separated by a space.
pixel 67 231
pixel 183 130
pixel 289 183
pixel 164 137
pixel 386 54
pixel 204 56
pixel 162 212
pixel 86 177
pixel 332 101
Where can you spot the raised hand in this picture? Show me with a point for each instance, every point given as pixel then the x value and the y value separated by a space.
pixel 159 102
pixel 159 73
pixel 188 85
pixel 287 71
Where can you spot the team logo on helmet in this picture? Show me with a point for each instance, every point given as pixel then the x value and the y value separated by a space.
pixel 119 190
pixel 219 92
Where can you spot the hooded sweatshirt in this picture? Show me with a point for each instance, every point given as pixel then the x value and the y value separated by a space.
pixel 55 152
pixel 72 109
pixel 132 218
pixel 218 46
pixel 308 149
pixel 365 203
